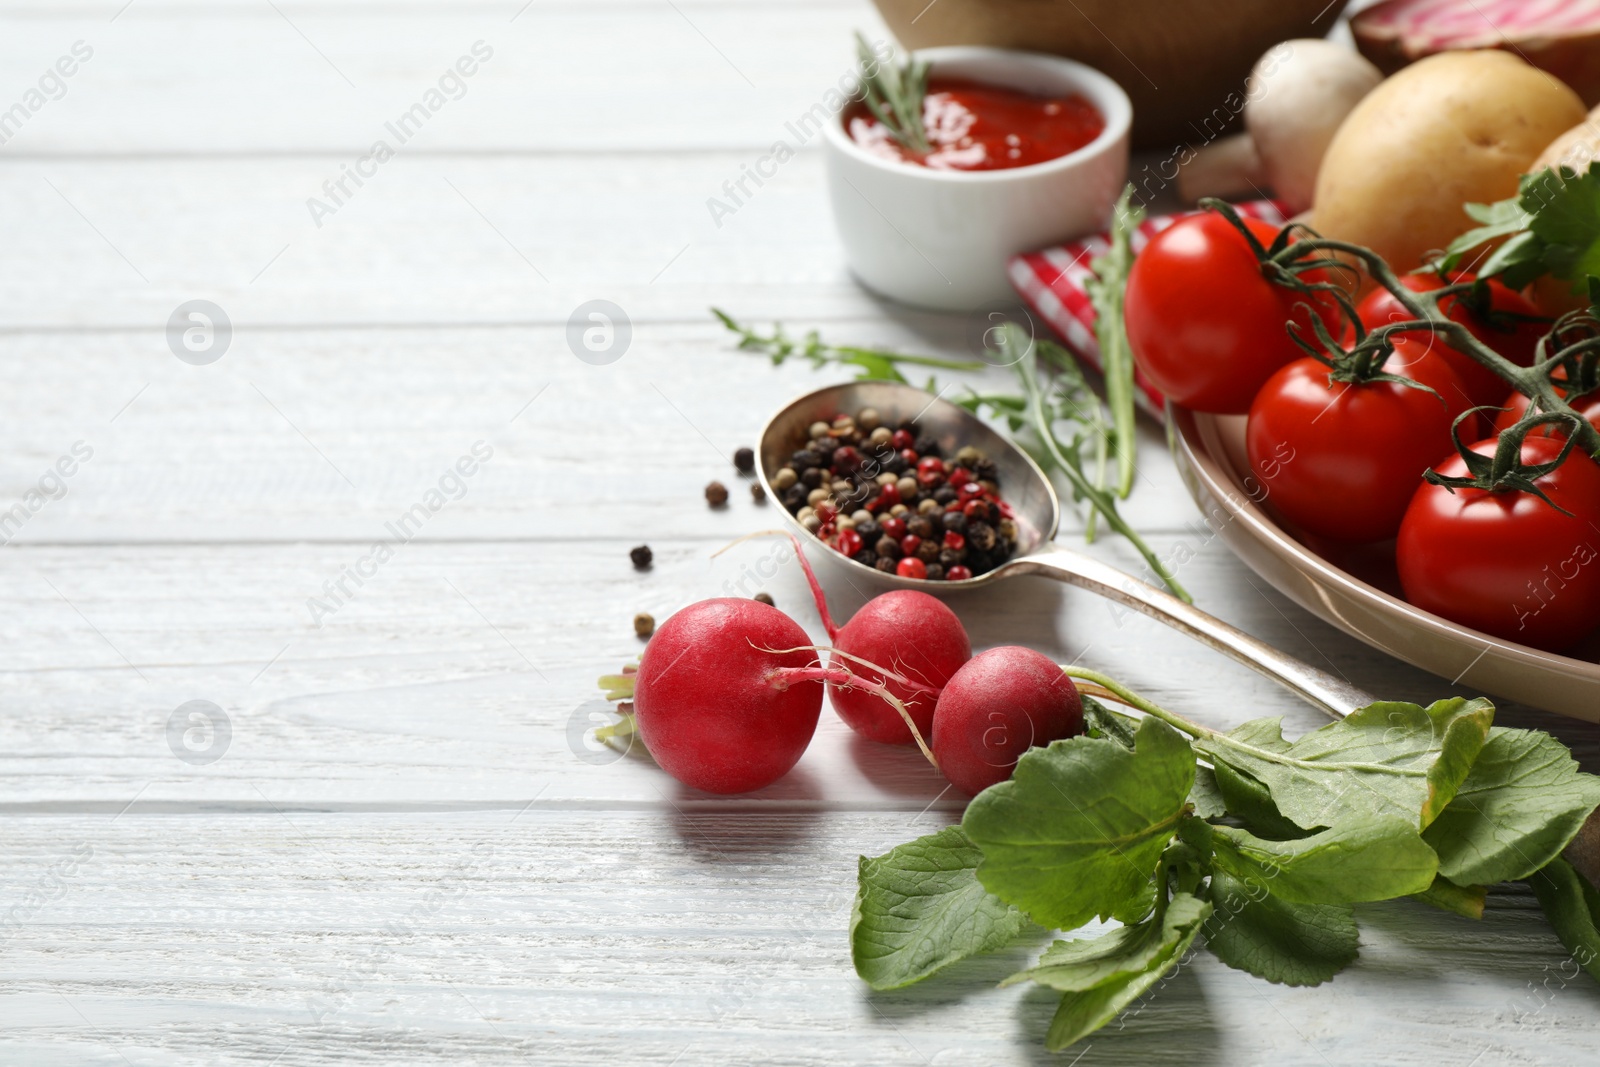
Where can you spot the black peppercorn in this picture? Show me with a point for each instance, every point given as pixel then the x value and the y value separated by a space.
pixel 794 497
pixel 824 456
pixel 870 531
pixel 867 557
pixel 765 598
pixel 758 494
pixel 928 551
pixel 955 522
pixel 812 477
pixel 895 464
pixel 951 557
pixel 887 548
pixel 804 460
pixel 935 520
pixel 985 470
pixel 641 556
pixel 944 495
pixel 885 564
pixel 935 573
pixel 744 460
pixel 920 526
pixel 926 446
pixel 716 494
pixel 980 535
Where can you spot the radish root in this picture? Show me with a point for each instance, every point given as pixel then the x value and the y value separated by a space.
pixel 805 565
pixel 842 677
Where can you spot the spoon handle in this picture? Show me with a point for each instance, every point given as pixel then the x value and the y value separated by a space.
pixel 1333 695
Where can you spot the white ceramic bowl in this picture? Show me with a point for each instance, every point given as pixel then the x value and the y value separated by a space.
pixel 940 239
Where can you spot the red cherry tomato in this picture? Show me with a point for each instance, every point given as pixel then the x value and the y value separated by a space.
pixel 1512 338
pixel 1516 406
pixel 1505 562
pixel 1343 461
pixel 1205 326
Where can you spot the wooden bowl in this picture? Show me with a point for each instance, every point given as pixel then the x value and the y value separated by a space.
pixel 1183 62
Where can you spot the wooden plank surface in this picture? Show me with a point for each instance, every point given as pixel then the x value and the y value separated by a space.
pixel 405 852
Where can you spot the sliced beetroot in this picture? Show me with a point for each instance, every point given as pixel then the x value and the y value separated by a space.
pixel 1003 702
pixel 720 704
pixel 911 634
pixel 1559 36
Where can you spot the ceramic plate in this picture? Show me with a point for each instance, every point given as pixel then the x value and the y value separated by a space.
pixel 1357 590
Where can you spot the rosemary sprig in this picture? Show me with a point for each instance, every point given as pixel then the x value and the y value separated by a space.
pixel 894 94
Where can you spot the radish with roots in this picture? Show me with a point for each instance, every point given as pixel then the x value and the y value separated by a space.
pixel 716 707
pixel 728 693
pixel 912 634
pixel 1000 704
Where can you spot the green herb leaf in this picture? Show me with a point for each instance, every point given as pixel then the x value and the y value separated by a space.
pixel 1250 802
pixel 1206 795
pixel 1262 934
pixel 1523 802
pixel 1389 758
pixel 1107 974
pixel 1553 226
pixel 919 908
pixel 1105 289
pixel 1464 900
pixel 1101 721
pixel 1359 859
pixel 1573 907
pixel 1078 830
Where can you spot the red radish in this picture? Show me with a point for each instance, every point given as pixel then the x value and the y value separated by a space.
pixel 718 709
pixel 909 633
pixel 995 708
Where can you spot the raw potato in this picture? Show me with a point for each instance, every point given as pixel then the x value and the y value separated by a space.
pixel 1576 148
pixel 1454 128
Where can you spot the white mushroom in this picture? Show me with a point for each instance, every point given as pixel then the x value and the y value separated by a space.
pixel 1297 95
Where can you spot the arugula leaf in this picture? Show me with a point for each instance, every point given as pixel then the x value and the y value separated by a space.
pixel 1262 934
pixel 1523 802
pixel 1357 859
pixel 1573 907
pixel 1463 900
pixel 919 908
pixel 1149 953
pixel 1077 831
pixel 1388 758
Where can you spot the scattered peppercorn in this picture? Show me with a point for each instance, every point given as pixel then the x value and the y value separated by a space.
pixel 758 494
pixel 641 556
pixel 765 598
pixel 744 459
pixel 644 624
pixel 716 494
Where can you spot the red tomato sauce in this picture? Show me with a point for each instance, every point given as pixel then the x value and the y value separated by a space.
pixel 972 126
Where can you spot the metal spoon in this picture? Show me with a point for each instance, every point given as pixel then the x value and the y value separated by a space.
pixel 1037 511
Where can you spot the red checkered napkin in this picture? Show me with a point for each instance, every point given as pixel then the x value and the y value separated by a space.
pixel 1051 281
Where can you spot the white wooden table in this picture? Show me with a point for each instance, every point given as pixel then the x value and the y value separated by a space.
pixel 398 854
